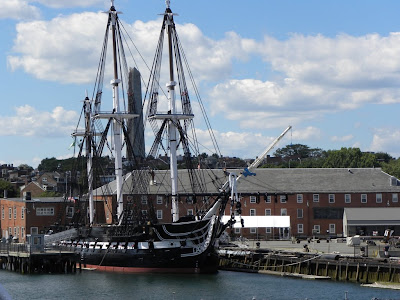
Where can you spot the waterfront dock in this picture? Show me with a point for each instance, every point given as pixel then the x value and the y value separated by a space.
pixel 320 260
pixel 24 259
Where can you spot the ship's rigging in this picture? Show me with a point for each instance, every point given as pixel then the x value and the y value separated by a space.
pixel 173 129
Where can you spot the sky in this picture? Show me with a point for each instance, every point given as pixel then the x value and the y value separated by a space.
pixel 330 69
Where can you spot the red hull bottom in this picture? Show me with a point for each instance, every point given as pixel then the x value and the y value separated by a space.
pixel 132 270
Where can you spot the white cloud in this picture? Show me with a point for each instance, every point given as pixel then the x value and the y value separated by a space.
pixel 309 133
pixel 59 50
pixel 312 76
pixel 71 3
pixel 239 144
pixel 30 122
pixel 386 140
pixel 345 138
pixel 363 62
pixel 18 10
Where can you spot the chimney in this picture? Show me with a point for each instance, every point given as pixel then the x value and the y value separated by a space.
pixel 5 194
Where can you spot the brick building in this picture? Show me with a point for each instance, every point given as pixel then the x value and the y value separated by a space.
pixel 313 198
pixel 20 216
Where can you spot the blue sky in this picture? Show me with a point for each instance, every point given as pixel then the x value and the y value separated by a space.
pixel 329 69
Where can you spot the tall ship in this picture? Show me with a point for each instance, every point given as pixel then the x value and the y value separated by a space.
pixel 116 224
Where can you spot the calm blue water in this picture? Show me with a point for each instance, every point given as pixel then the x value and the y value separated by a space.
pixel 224 285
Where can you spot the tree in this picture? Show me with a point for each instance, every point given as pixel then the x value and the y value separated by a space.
pixel 203 155
pixel 383 157
pixel 49 194
pixel 49 164
pixel 215 155
pixel 349 158
pixel 25 167
pixel 298 151
pixel 11 190
pixel 392 167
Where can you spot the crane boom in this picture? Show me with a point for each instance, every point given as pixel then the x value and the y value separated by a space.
pixel 260 158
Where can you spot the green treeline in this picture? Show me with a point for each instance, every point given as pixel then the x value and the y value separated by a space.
pixel 302 156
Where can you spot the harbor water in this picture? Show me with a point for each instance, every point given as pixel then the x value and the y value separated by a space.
pixel 224 285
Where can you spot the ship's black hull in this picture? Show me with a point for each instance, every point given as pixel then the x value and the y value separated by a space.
pixel 186 247
pixel 150 261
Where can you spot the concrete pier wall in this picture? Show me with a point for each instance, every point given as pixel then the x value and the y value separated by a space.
pixel 315 266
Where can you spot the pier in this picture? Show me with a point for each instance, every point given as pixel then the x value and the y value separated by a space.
pixel 24 259
pixel 285 259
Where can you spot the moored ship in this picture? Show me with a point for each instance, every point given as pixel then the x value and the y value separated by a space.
pixel 131 239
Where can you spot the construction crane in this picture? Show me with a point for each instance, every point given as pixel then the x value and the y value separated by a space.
pixel 233 179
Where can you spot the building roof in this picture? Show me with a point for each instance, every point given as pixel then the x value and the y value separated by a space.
pixel 322 180
pixel 269 180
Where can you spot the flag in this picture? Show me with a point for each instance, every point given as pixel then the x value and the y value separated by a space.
pixel 72 144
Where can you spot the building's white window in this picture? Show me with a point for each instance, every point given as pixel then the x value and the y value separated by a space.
pixel 144 199
pixel 9 231
pixel 159 214
pixel 15 212
pixel 316 229
pixel 22 232
pixel 395 197
pixel 144 212
pixel 283 199
pixel 268 199
pixel 69 211
pixel 300 228
pixel 15 231
pixel 363 198
pixel 332 228
pixel 253 230
pixel 34 230
pixel 252 212
pixel 107 215
pixel 190 212
pixel 159 199
pixel 331 198
pixel 2 212
pixel 10 213
pixel 268 230
pixel 44 179
pixel 45 211
pixel 347 198
pixel 189 199
pixel 267 211
pixel 299 198
pixel 378 198
pixel 237 230
pixel 253 199
pixel 299 213
pixel 316 198
pixel 283 212
pixel 22 213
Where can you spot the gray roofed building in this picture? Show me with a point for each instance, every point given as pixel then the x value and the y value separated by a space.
pixel 324 180
pixel 313 198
